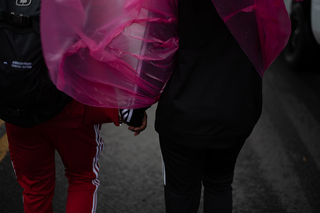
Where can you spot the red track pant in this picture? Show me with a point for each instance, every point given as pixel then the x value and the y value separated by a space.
pixel 32 153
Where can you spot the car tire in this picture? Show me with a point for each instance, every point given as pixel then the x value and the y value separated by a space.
pixel 301 46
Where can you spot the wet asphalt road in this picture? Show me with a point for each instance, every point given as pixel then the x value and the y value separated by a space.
pixel 278 170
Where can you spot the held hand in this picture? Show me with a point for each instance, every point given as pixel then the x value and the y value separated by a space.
pixel 139 129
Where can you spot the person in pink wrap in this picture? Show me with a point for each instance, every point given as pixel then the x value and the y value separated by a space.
pixel 42 121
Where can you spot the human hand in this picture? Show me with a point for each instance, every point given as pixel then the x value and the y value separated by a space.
pixel 139 129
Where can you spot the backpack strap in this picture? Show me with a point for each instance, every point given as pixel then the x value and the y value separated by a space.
pixel 15 21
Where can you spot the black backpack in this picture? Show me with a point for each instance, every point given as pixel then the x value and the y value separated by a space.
pixel 27 95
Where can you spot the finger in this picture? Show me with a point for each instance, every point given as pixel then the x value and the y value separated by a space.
pixel 136 133
pixel 144 123
pixel 140 128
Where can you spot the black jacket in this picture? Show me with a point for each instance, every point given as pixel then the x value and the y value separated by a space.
pixel 215 94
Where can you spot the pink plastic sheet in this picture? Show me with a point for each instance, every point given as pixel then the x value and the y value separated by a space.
pixel 110 53
pixel 261 27
pixel 121 53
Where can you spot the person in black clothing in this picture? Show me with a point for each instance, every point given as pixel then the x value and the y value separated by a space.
pixel 207 110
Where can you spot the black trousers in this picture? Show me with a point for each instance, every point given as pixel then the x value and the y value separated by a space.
pixel 187 170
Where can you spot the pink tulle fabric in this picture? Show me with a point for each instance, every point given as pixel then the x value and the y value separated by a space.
pixel 261 27
pixel 121 53
pixel 110 53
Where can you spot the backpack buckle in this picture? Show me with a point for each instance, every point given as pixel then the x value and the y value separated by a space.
pixel 19 19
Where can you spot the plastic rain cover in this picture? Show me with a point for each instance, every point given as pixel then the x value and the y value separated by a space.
pixel 120 53
pixel 261 27
pixel 110 53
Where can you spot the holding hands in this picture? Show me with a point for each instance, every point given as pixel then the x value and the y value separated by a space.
pixel 136 119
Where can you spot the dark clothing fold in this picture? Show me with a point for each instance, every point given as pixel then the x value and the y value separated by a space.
pixel 214 95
